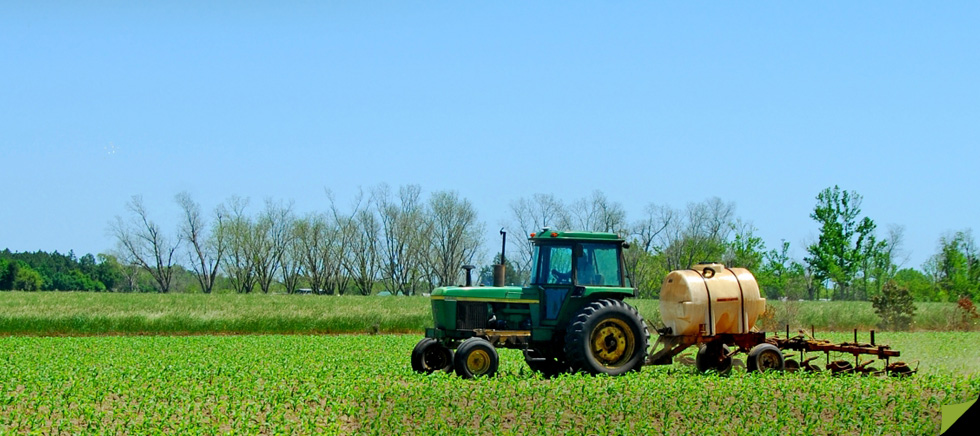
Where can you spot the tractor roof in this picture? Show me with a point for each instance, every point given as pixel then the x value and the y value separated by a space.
pixel 547 234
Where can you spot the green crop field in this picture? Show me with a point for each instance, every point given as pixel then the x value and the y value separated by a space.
pixel 123 364
pixel 341 384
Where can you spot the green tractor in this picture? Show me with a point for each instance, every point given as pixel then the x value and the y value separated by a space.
pixel 570 318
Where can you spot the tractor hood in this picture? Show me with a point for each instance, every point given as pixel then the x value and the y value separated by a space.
pixel 479 293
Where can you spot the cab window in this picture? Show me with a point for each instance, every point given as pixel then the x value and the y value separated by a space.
pixel 553 265
pixel 598 265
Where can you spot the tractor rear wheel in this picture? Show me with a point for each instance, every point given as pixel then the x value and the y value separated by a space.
pixel 765 357
pixel 606 337
pixel 429 356
pixel 714 357
pixel 476 357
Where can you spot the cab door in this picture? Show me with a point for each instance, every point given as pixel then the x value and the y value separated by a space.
pixel 552 274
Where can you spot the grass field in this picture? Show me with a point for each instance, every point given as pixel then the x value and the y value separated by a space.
pixel 341 384
pixel 85 313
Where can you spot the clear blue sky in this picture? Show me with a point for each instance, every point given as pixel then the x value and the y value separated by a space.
pixel 763 104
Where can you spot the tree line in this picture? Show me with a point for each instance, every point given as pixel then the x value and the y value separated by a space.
pixel 399 241
pixel 42 271
pixel 395 241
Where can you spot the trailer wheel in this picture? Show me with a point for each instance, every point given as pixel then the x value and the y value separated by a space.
pixel 429 356
pixel 606 337
pixel 714 357
pixel 476 357
pixel 765 357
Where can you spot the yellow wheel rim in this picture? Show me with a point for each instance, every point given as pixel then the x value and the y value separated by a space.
pixel 478 362
pixel 612 343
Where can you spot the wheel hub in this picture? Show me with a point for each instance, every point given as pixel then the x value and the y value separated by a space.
pixel 478 362
pixel 768 360
pixel 435 358
pixel 612 343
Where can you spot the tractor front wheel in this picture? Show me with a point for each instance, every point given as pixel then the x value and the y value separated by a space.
pixel 606 337
pixel 476 357
pixel 429 356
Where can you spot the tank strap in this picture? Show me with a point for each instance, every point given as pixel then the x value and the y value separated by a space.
pixel 741 296
pixel 711 318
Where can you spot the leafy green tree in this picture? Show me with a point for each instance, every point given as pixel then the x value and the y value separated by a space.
pixel 6 281
pixel 109 271
pixel 27 279
pixel 919 284
pixel 841 249
pixel 780 276
pixel 75 280
pixel 956 267
pixel 745 250
pixel 773 275
pixel 16 275
pixel 646 270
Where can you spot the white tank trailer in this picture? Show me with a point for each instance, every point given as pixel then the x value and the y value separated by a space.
pixel 716 308
pixel 710 299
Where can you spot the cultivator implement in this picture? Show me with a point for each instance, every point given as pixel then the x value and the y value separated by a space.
pixel 778 353
pixel 804 343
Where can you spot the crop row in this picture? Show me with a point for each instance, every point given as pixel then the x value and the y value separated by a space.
pixel 363 384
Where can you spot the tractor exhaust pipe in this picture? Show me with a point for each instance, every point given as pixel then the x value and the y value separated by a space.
pixel 469 274
pixel 500 270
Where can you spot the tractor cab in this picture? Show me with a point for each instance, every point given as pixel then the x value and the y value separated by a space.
pixel 572 265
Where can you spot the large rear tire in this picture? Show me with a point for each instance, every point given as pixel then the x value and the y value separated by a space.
pixel 606 337
pixel 476 357
pixel 430 356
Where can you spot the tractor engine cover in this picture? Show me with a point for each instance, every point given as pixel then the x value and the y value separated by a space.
pixel 710 299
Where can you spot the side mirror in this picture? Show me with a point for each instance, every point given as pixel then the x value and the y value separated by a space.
pixel 626 245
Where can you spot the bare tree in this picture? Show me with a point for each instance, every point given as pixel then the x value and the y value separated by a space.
pixel 529 216
pixel 647 231
pixel 291 259
pixel 641 261
pixel 365 261
pixel 143 242
pixel 313 240
pixel 205 251
pixel 357 246
pixel 237 234
pixel 340 253
pixel 701 237
pixel 405 235
pixel 129 267
pixel 456 236
pixel 270 238
pixel 598 214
